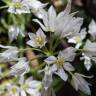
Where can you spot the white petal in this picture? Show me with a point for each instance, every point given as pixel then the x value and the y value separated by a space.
pixel 53 68
pixel 23 93
pixel 68 67
pixel 32 43
pixel 92 29
pixel 68 54
pixel 62 74
pixel 29 79
pixel 47 81
pixel 41 34
pixel 20 68
pixel 34 84
pixel 33 92
pixel 52 18
pixel 2 46
pixel 83 33
pixel 21 79
pixel 74 83
pixel 72 40
pixel 32 36
pixel 78 45
pixel 87 63
pixel 66 11
pixel 42 26
pixel 50 60
pixel 45 19
pixel 90 48
pixel 11 9
pixel 82 84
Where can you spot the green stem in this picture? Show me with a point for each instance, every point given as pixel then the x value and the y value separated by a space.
pixel 2 7
pixel 56 43
pixel 20 43
pixel 34 49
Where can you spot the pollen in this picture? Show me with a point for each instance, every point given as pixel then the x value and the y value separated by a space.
pixel 39 88
pixel 14 90
pixel 24 86
pixel 18 5
pixel 60 61
pixel 39 41
pixel 78 39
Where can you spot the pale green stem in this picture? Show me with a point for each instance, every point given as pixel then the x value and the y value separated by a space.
pixel 2 7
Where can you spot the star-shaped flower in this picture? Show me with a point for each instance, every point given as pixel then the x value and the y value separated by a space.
pixel 77 38
pixel 14 31
pixel 63 24
pixel 92 30
pixel 30 86
pixel 62 62
pixel 10 54
pixel 20 68
pixel 19 6
pixel 89 53
pixel 38 39
pixel 79 83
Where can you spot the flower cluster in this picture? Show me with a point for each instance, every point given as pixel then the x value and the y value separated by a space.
pixel 27 6
pixel 57 43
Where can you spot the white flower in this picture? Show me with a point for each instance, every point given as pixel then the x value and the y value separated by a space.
pixel 38 39
pixel 79 83
pixel 47 80
pixel 14 31
pixel 19 6
pixel 10 54
pixel 30 86
pixel 48 92
pixel 12 90
pixel 27 6
pixel 87 61
pixel 20 68
pixel 36 7
pixel 92 29
pixel 77 38
pixel 89 54
pixel 62 61
pixel 63 24
pixel 48 20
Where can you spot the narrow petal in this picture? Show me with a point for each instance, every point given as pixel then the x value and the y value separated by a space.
pixel 66 11
pixel 23 93
pixel 82 84
pixel 32 36
pixel 68 54
pixel 41 34
pixel 72 40
pixel 87 62
pixel 61 73
pixel 52 18
pixel 42 26
pixel 53 68
pixel 29 79
pixel 92 29
pixel 68 67
pixel 83 33
pixel 31 43
pixel 74 83
pixel 50 60
pixel 2 46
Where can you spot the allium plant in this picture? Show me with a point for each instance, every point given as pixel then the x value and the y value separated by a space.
pixel 33 56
